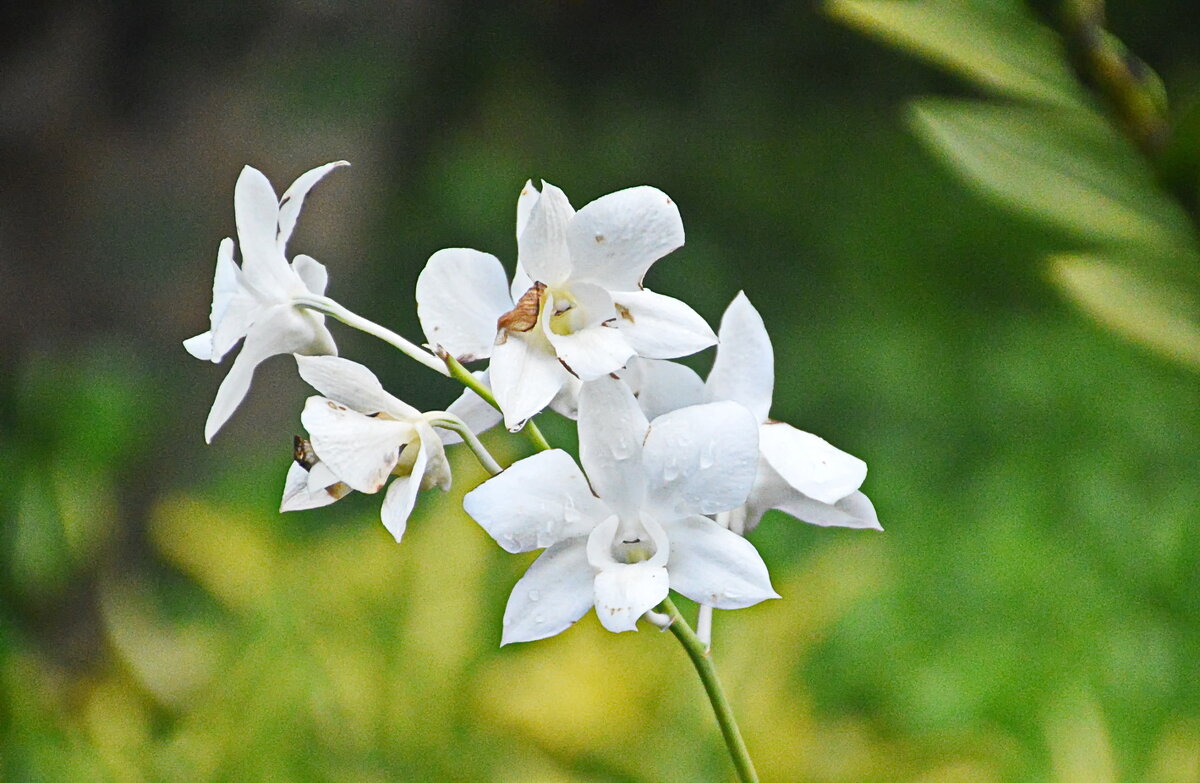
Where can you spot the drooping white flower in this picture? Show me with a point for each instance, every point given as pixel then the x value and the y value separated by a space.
pixel 576 309
pixel 360 437
pixel 255 300
pixel 798 472
pixel 643 531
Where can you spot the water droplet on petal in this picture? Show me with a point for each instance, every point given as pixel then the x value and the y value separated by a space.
pixel 534 595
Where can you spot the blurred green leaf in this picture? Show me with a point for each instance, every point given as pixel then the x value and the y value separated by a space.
pixel 1068 169
pixel 1158 313
pixel 997 45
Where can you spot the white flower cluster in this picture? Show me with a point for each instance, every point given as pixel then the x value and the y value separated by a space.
pixel 673 470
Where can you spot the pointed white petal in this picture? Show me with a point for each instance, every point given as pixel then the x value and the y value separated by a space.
pixel 810 464
pixel 436 470
pixel 283 329
pixel 471 408
pixel 715 567
pixel 460 294
pixel 529 196
pixel 853 511
pixel 312 273
pixel 626 591
pixel 744 370
pixel 661 386
pixel 702 459
pixel 199 346
pixel 521 283
pixel 351 384
pixel 616 238
pixel 298 493
pixel 360 450
pixel 401 496
pixel 233 307
pixel 525 377
pixel 239 315
pixel 535 503
pixel 661 327
pixel 293 198
pixel 554 593
pixel 611 430
pixel 542 247
pixel 257 214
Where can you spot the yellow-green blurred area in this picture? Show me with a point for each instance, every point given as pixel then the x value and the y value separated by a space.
pixel 972 279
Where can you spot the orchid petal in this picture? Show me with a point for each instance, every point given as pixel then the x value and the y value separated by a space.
pixel 661 386
pixel 256 211
pixel 401 496
pixel 312 273
pixel 555 592
pixel 853 511
pixel 715 567
pixel 298 494
pixel 283 330
pixel 809 463
pixel 611 430
pixel 744 370
pixel 617 237
pixel 525 377
pixel 702 459
pixel 360 450
pixel 592 352
pixel 542 247
pixel 626 591
pixel 661 327
pixel 293 198
pixel 535 503
pixel 351 384
pixel 521 283
pixel 529 196
pixel 460 294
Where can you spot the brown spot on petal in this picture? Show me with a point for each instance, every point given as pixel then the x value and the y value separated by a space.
pixel 339 490
pixel 599 239
pixel 624 312
pixel 524 315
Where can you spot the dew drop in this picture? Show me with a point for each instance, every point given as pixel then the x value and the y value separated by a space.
pixel 538 619
pixel 534 595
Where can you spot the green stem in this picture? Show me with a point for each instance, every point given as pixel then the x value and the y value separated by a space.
pixel 702 660
pixel 451 422
pixel 464 376
pixel 324 304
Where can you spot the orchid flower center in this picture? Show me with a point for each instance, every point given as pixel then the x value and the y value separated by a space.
pixel 568 317
pixel 632 542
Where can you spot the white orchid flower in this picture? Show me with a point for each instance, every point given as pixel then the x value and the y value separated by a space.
pixel 576 308
pixel 798 472
pixel 255 300
pixel 643 532
pixel 360 437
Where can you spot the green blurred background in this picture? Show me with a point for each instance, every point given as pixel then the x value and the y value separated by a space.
pixel 1031 613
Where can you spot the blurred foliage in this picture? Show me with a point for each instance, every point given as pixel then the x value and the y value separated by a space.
pixel 1050 151
pixel 1030 613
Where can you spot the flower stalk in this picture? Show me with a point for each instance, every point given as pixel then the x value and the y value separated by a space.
pixel 461 374
pixel 449 421
pixel 702 660
pixel 323 304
